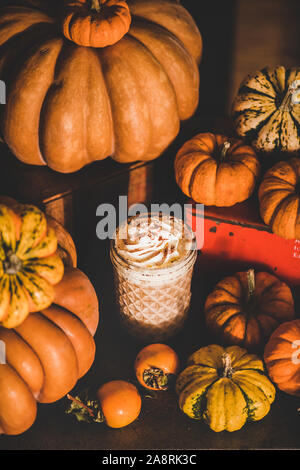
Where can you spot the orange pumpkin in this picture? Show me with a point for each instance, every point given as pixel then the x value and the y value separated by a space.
pixel 279 198
pixel 282 357
pixel 96 23
pixel 216 170
pixel 69 105
pixel 245 308
pixel 48 352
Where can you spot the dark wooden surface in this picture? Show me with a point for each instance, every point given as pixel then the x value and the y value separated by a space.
pixel 161 424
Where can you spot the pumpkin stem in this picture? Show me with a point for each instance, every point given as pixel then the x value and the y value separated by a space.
pixel 156 378
pixel 224 150
pixel 89 411
pixel 96 5
pixel 12 264
pixel 227 366
pixel 293 94
pixel 251 283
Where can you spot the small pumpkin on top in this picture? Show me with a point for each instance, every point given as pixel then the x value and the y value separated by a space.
pixel 245 308
pixel 216 170
pixel 266 109
pixel 226 387
pixel 96 23
pixel 279 198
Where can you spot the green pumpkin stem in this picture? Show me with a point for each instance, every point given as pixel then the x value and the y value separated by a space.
pixel 251 283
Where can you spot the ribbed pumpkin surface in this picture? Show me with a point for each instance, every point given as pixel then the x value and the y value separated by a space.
pixel 239 316
pixel 282 357
pixel 48 352
pixel 29 263
pixel 225 387
pixel 279 197
pixel 216 170
pixel 267 109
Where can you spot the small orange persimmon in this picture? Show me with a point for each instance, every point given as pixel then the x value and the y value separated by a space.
pixel 117 403
pixel 155 365
pixel 120 402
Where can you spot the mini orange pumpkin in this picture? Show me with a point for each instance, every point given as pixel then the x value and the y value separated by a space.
pixel 282 357
pixel 279 198
pixel 245 308
pixel 96 23
pixel 216 170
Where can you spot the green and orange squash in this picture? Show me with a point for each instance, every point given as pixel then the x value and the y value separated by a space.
pixel 266 110
pixel 29 263
pixel 225 387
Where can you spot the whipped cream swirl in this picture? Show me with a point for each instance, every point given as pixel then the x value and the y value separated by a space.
pixel 153 241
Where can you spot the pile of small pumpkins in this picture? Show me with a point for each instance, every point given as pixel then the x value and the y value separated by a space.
pixel 216 170
pixel 226 386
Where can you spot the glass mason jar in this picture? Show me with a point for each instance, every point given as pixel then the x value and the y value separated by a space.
pixel 153 301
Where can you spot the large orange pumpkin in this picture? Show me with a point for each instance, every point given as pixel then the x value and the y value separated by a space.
pixel 216 170
pixel 282 357
pixel 279 198
pixel 245 308
pixel 69 105
pixel 48 352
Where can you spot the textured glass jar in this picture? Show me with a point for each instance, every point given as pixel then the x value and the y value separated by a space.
pixel 153 302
